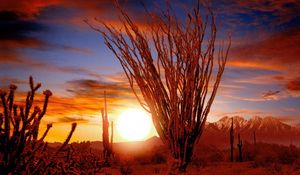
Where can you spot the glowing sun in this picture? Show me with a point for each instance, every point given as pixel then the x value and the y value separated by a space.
pixel 134 124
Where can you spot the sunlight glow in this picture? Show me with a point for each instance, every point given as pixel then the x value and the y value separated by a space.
pixel 134 124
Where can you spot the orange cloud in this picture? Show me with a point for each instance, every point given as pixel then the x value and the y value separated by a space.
pixel 81 107
pixel 279 51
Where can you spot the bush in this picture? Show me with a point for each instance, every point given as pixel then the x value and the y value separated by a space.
pixel 208 154
pixel 266 154
pixel 125 169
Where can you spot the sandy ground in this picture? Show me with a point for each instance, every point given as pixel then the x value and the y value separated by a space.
pixel 212 169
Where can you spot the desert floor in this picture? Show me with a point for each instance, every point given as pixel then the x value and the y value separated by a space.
pixel 246 168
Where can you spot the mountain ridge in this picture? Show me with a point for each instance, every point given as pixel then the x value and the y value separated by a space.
pixel 267 129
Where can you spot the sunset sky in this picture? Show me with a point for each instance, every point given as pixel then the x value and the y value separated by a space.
pixel 49 40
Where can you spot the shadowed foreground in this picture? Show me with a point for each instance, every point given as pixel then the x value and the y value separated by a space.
pixel 150 157
pixel 245 168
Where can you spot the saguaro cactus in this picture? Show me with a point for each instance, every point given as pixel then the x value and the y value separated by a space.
pixel 20 148
pixel 111 137
pixel 254 137
pixel 107 147
pixel 231 140
pixel 240 145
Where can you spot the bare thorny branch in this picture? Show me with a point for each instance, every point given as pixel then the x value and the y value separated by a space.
pixel 173 64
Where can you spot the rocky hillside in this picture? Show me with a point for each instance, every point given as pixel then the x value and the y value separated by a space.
pixel 268 129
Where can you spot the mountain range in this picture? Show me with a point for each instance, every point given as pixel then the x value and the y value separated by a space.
pixel 267 129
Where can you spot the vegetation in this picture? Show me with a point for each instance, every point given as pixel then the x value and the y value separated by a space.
pixel 21 151
pixel 231 140
pixel 176 76
pixel 240 147
pixel 107 146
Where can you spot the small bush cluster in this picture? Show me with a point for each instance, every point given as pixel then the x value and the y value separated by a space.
pixel 264 154
pixel 77 158
pixel 206 154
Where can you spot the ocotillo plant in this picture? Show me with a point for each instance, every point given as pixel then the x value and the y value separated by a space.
pixel 107 147
pixel 174 65
pixel 240 145
pixel 231 141
pixel 20 149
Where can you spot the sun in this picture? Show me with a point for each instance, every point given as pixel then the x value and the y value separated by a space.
pixel 134 124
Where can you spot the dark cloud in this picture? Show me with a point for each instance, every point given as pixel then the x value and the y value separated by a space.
pixel 6 81
pixel 270 94
pixel 282 10
pixel 13 27
pixel 34 8
pixel 236 12
pixel 28 9
pixel 92 88
pixel 293 85
pixel 72 119
pixel 17 33
pixel 257 14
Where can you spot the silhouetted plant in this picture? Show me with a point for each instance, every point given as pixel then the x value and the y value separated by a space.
pixel 78 158
pixel 107 145
pixel 125 169
pixel 231 141
pixel 20 149
pixel 240 147
pixel 296 164
pixel 176 76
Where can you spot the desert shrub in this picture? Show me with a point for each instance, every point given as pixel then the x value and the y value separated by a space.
pixel 77 159
pixel 149 158
pixel 155 155
pixel 249 151
pixel 158 155
pixel 265 159
pixel 21 151
pixel 296 164
pixel 125 169
pixel 158 158
pixel 208 154
pixel 288 155
pixel 266 154
pixel 199 161
pixel 216 156
pixel 141 159
pixel 275 168
pixel 157 170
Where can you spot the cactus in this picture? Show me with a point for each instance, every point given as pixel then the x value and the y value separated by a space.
pixel 111 137
pixel 240 145
pixel 231 140
pixel 254 138
pixel 20 149
pixel 107 147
